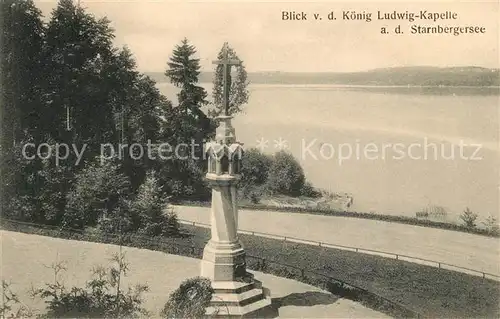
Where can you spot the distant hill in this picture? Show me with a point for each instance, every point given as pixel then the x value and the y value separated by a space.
pixel 413 76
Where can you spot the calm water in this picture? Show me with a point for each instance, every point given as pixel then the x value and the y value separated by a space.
pixel 382 175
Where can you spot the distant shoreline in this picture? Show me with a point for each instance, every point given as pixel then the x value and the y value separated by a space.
pixel 462 90
pixel 326 85
pixel 425 77
pixel 335 85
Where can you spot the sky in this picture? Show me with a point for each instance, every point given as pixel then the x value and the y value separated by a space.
pixel 266 42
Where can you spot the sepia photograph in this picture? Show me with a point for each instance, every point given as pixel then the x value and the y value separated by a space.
pixel 249 159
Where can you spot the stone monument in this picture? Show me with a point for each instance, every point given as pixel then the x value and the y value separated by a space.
pixel 236 292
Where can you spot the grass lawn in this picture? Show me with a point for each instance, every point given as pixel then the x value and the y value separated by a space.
pixel 430 291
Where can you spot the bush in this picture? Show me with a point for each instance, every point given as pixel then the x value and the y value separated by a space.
pixel 11 306
pixel 21 208
pixel 148 210
pixel 491 225
pixel 52 197
pixel 285 175
pixel 308 190
pixel 118 221
pixel 183 179
pixel 98 191
pixel 255 167
pixel 190 300
pixel 101 298
pixel 469 218
pixel 34 190
pixel 254 171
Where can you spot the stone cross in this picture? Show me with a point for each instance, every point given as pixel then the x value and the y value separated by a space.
pixel 226 81
pixel 235 291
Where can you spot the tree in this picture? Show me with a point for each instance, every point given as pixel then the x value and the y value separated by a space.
pixel 285 175
pixel 187 121
pixel 468 218
pixel 68 65
pixel 78 48
pixel 254 173
pixel 148 210
pixel 21 36
pixel 238 93
pixel 183 72
pixel 185 127
pixel 137 105
pixel 100 190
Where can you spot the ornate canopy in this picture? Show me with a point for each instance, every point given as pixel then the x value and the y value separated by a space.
pixel 224 159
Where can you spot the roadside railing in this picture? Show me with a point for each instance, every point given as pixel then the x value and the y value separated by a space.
pixel 416 260
pixel 257 263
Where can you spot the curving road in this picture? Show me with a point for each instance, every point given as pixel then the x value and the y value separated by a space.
pixel 457 248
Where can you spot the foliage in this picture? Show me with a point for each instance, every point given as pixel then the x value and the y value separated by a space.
pixel 308 190
pixel 101 298
pixel 238 91
pixel 263 175
pixel 99 190
pixel 190 300
pixel 21 36
pixel 37 187
pixel 148 210
pixel 70 64
pixel 285 175
pixel 78 49
pixel 468 218
pixel 491 225
pixel 21 64
pixel 255 167
pixel 117 221
pixel 186 128
pixel 254 172
pixel 183 72
pixel 11 306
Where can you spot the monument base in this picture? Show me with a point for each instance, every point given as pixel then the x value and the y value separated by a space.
pixel 236 292
pixel 236 299
pixel 223 261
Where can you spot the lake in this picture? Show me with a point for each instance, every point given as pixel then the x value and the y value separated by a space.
pixel 396 150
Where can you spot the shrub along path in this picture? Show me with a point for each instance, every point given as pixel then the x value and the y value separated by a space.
pixel 457 248
pixel 430 291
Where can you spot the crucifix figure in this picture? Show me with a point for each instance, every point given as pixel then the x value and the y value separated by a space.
pixel 226 63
